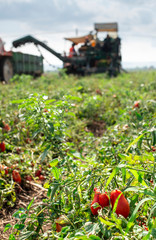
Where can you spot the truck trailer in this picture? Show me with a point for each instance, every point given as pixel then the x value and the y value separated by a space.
pixel 12 63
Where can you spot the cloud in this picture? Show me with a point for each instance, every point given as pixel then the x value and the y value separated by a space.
pixel 55 19
pixel 61 15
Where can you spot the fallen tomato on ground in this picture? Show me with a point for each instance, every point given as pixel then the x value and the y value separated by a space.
pixel 16 176
pixel 38 173
pixel 153 148
pixel 2 146
pixel 61 222
pixel 28 140
pixel 6 127
pixel 41 177
pixel 136 104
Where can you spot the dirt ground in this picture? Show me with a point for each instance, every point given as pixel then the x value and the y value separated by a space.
pixel 33 190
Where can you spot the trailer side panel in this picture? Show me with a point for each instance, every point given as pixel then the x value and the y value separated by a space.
pixel 27 64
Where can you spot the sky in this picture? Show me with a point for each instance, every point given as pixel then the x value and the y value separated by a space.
pixel 53 20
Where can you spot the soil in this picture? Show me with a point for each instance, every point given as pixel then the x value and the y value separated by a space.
pixel 96 127
pixel 24 197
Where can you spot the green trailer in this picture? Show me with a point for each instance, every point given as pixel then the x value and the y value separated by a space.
pixel 28 64
pixel 12 63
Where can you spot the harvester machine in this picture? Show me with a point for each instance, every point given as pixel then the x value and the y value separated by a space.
pixel 92 55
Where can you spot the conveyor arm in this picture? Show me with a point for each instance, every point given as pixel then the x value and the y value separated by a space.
pixel 30 39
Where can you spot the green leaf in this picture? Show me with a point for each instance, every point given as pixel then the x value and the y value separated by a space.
pixel 134 142
pixel 138 177
pixel 30 204
pixel 79 191
pixel 147 237
pixel 19 226
pixel 44 154
pixel 7 227
pixel 12 237
pixel 108 223
pixel 54 162
pixel 51 127
pixel 52 189
pixel 95 205
pixel 92 237
pixel 36 133
pixel 153 137
pixel 132 218
pixel 123 170
pixel 139 117
pixel 116 203
pixel 56 173
pixel 153 232
pixel 111 176
pixel 133 189
pixel 80 237
pixel 19 213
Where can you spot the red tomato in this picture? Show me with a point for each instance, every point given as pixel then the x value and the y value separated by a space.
pixel 58 227
pixel 16 176
pixel 153 148
pixel 18 150
pixel 28 140
pixel 6 170
pixel 136 104
pixel 95 200
pixel 103 200
pixel 38 173
pixel 122 205
pixel 41 177
pixel 2 146
pixel 146 228
pixel 6 127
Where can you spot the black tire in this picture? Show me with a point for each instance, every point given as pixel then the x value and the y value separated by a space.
pixel 6 69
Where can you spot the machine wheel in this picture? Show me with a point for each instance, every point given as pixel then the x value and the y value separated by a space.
pixel 6 69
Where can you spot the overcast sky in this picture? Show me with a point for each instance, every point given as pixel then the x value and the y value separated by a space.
pixel 52 20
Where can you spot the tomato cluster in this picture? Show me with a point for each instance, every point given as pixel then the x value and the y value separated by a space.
pixel 38 173
pixel 102 199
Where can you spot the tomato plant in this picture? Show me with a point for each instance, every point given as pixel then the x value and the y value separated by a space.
pixel 72 138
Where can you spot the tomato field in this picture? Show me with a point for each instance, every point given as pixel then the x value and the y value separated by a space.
pixel 77 157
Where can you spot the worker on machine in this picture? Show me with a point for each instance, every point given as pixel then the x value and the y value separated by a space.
pixel 93 42
pixel 86 43
pixel 72 51
pixel 107 44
